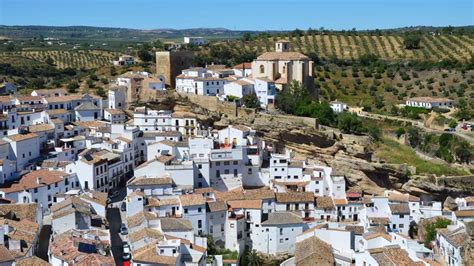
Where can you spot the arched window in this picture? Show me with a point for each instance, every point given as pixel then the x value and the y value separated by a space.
pixel 262 69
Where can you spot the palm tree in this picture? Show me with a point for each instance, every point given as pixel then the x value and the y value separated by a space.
pixel 253 258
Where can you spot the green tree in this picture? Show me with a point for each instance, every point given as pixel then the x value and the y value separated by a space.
pixel 414 137
pixel 431 229
pixel 452 123
pixel 101 92
pixel 251 101
pixel 411 40
pixel 463 152
pixel 252 258
pixel 399 132
pixel 37 83
pixel 350 123
pixel 144 55
pixel 374 132
pixel 72 87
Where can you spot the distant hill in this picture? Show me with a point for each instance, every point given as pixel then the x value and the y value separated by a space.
pixel 89 33
pixel 113 34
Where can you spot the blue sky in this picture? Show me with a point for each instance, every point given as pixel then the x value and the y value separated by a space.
pixel 238 14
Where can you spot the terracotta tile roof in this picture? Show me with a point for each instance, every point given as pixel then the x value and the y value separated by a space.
pixel 464 213
pixel 152 202
pixel 136 219
pixel 400 208
pixel 282 218
pixel 31 261
pixel 90 124
pixel 216 206
pixel 294 197
pixel 86 106
pixel 64 247
pixel 40 128
pixel 283 56
pixel 71 205
pixel 324 203
pixel 35 179
pixel 20 137
pixel 5 254
pixel 30 98
pixel 372 235
pixel 243 66
pixel 393 256
pixel 242 82
pixel 379 220
pixel 457 237
pixel 147 233
pixel 235 194
pixel 313 251
pixel 192 199
pixel 175 224
pixel 148 255
pixel 150 181
pixel 357 229
pixel 114 111
pixel 259 193
pixel 245 204
pixel 57 111
pixel 96 196
pixel 203 190
pixel 95 259
pixel 21 211
pixel 48 92
pixel 165 158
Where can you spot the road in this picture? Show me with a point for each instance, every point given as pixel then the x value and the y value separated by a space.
pixel 113 216
pixel 413 122
pixel 115 220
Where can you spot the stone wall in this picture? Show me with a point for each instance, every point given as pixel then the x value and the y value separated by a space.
pixel 210 103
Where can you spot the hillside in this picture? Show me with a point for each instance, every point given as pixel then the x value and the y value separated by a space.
pixel 352 46
pixel 62 59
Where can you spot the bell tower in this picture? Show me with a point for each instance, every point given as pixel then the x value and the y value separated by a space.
pixel 282 46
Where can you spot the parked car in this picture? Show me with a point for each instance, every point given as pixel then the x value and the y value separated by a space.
pixel 126 252
pixel 123 207
pixel 449 129
pixel 123 229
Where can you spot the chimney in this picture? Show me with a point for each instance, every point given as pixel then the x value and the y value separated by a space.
pixel 39 179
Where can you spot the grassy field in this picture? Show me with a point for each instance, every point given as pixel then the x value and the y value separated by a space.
pixel 390 47
pixel 393 152
pixel 62 59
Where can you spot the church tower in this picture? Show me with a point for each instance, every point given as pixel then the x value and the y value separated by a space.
pixel 282 46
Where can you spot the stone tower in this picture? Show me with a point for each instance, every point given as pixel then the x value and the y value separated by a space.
pixel 282 46
pixel 169 64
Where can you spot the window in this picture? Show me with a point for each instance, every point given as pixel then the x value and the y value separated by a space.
pixel 199 175
pixel 199 209
pixel 400 226
pixel 226 163
pixel 218 163
pixel 36 190
pixel 262 69
pixel 199 166
pixel 235 162
pixel 402 216
pixel 185 210
pixel 199 224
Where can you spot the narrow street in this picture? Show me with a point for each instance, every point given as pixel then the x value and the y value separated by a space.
pixel 113 216
pixel 45 235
